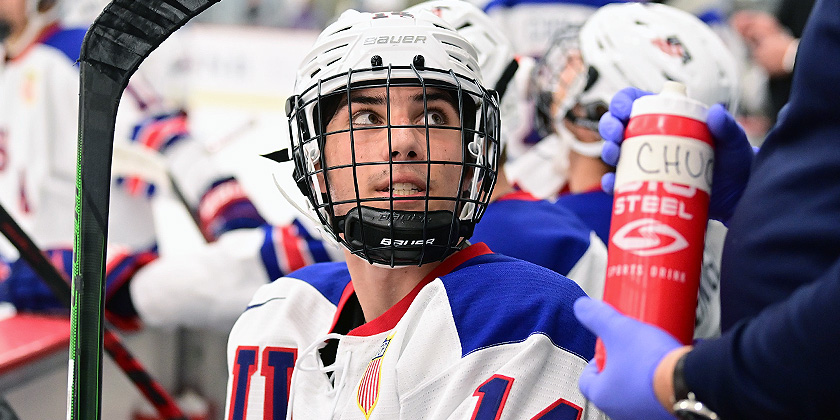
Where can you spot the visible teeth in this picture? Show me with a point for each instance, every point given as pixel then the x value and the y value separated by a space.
pixel 404 189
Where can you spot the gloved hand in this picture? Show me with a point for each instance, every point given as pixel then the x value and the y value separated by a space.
pixel 25 289
pixel 22 287
pixel 157 132
pixel 733 152
pixel 624 389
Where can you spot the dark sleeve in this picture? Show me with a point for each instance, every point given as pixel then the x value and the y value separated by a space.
pixel 781 364
pixel 793 14
pixel 785 233
pixel 780 275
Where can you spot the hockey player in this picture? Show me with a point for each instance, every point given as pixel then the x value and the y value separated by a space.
pixel 38 98
pixel 583 70
pixel 39 85
pixel 550 236
pixel 395 143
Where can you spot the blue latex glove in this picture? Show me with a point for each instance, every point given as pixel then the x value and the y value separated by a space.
pixel 624 389
pixel 733 152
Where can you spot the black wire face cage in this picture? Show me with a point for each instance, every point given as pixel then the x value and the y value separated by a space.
pixel 558 78
pixel 399 162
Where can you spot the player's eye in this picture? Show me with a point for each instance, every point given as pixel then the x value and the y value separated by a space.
pixel 435 117
pixel 366 118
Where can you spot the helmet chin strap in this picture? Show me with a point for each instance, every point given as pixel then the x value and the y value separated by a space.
pixel 397 238
pixel 585 148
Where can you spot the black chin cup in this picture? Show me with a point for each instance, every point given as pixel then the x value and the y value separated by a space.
pixel 401 237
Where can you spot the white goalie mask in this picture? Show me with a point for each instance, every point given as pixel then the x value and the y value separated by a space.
pixel 642 45
pixel 394 138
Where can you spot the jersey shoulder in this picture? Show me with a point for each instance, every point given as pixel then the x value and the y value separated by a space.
pixel 497 299
pixel 330 279
pixel 534 231
pixel 68 41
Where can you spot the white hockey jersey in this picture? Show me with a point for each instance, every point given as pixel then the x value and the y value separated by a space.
pixel 482 337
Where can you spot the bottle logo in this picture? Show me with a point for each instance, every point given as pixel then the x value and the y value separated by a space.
pixel 648 237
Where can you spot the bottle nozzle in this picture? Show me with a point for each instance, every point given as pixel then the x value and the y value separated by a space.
pixel 673 88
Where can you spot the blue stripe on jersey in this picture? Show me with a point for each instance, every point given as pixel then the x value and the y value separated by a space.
pixel 268 254
pixel 594 208
pixel 713 17
pixel 497 299
pixel 513 3
pixel 68 41
pixel 536 231
pixel 328 278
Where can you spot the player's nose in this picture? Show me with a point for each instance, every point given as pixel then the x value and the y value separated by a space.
pixel 407 143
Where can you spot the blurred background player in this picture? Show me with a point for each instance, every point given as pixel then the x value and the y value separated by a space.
pixel 530 25
pixel 38 125
pixel 638 45
pixel 516 223
pixel 38 135
pixel 395 148
pixel 39 94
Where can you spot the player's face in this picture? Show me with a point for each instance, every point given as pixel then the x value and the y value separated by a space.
pixel 12 17
pixel 568 82
pixel 367 153
pixel 590 114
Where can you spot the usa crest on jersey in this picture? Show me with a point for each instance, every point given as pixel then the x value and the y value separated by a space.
pixel 368 391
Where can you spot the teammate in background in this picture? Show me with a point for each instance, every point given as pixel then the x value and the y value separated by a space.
pixel 780 280
pixel 38 98
pixel 395 147
pixel 640 45
pixel 39 83
pixel 530 25
pixel 516 223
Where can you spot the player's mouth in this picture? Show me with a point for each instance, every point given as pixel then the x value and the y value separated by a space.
pixel 402 189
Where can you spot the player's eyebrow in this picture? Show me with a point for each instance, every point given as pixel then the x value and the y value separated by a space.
pixel 436 95
pixel 362 98
pixel 365 98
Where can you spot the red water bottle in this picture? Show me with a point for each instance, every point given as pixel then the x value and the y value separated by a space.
pixel 660 208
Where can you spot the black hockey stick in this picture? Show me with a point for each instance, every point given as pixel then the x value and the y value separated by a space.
pixel 124 34
pixel 60 288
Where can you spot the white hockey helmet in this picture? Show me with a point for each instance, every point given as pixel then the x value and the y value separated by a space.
pixel 642 45
pixel 388 50
pixel 645 45
pixel 496 56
